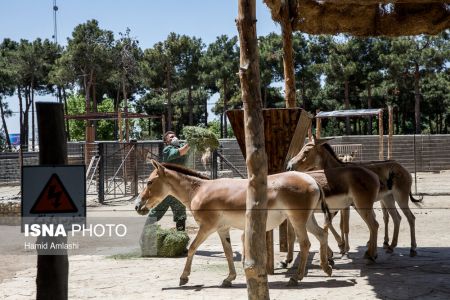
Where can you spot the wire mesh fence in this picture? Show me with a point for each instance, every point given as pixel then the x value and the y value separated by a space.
pixel 120 169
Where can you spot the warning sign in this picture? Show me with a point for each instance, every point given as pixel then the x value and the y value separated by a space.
pixel 54 199
pixel 54 192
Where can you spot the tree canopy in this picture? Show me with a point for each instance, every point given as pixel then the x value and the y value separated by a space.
pixel 178 76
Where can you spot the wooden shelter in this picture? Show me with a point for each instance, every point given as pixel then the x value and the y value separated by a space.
pixel 377 112
pixel 363 17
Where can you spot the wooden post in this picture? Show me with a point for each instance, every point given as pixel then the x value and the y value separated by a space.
pixel 380 131
pixel 318 125
pixel 256 214
pixel 391 131
pixel 52 270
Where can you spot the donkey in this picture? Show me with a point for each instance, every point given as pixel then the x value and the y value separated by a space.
pixel 218 205
pixel 344 187
pixel 395 186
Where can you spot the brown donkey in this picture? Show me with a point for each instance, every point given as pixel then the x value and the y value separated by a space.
pixel 395 186
pixel 344 187
pixel 218 205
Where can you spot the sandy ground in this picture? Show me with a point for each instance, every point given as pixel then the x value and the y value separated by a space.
pixel 393 276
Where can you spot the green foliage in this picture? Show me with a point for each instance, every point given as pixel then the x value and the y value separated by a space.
pixel 176 77
pixel 105 128
pixel 200 138
pixel 214 127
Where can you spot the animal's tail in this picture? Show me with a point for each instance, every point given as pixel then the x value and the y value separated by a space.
pixel 417 201
pixel 324 206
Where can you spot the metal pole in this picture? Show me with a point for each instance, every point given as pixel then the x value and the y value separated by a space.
pixel 101 173
pixel 52 270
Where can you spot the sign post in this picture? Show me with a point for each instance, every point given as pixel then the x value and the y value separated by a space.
pixel 52 270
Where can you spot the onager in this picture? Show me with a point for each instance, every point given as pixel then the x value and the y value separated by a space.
pixel 344 187
pixel 395 186
pixel 218 205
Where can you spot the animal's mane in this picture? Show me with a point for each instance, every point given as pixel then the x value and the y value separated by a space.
pixel 184 170
pixel 331 151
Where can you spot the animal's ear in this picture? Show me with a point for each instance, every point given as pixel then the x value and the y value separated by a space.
pixel 322 141
pixel 159 167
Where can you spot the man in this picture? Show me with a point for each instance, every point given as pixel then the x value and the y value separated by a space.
pixel 173 152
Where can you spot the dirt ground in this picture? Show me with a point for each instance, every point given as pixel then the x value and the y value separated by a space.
pixel 128 276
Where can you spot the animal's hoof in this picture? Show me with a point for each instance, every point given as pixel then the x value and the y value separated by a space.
pixel 331 262
pixel 385 245
pixel 370 258
pixel 183 281
pixel 328 270
pixel 389 250
pixel 226 284
pixel 412 253
pixel 292 282
pixel 283 264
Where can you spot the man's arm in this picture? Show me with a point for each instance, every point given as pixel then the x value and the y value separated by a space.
pixel 171 153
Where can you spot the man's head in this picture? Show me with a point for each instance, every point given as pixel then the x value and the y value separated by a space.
pixel 169 137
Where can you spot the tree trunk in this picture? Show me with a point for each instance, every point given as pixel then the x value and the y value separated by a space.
pixel 5 128
pixel 19 94
pixel 63 99
pixel 169 100
pixel 288 62
pixel 26 122
pixel 417 98
pixel 125 109
pixel 190 106
pixel 256 214
pixel 206 112
pixel 225 104
pixel 347 106
pixel 304 101
pixel 369 105
pixel 87 90
pixel 33 135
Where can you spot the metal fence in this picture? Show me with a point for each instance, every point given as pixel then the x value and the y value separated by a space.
pixel 120 169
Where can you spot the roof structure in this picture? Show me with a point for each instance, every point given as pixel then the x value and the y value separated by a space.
pixel 363 17
pixel 349 113
pixel 109 116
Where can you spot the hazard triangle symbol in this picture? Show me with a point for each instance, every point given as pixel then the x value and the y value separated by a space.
pixel 54 199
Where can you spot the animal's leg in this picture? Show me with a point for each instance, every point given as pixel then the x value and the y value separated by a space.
pixel 226 243
pixel 302 236
pixel 345 228
pixel 402 199
pixel 389 203
pixel 326 255
pixel 290 246
pixel 386 225
pixel 202 234
pixel 337 237
pixel 243 249
pixel 367 214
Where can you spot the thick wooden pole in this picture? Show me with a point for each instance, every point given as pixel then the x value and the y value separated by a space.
pixel 256 157
pixel 391 131
pixel 52 270
pixel 288 57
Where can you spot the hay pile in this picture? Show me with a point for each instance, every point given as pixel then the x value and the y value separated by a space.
pixel 157 241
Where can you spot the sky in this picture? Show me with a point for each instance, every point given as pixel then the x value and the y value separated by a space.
pixel 150 21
